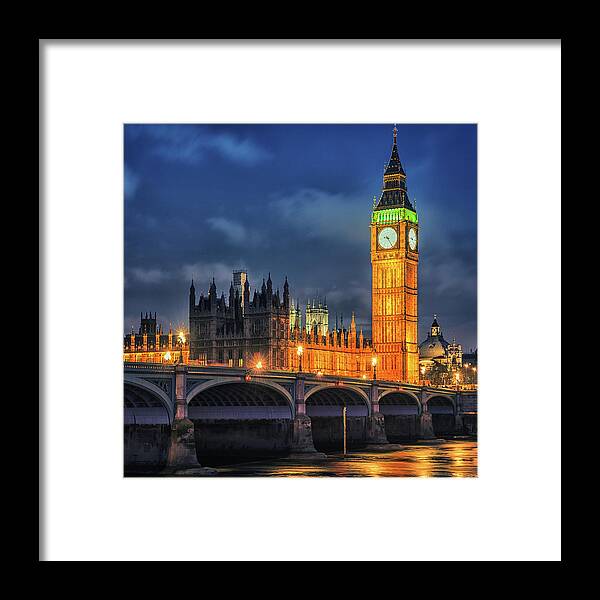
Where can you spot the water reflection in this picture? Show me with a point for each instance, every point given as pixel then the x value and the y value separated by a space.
pixel 441 458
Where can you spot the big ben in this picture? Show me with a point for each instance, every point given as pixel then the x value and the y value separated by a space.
pixel 394 287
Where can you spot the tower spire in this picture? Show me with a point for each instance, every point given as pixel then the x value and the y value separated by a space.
pixel 394 193
pixel 435 327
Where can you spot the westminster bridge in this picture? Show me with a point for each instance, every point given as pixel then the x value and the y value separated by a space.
pixel 178 414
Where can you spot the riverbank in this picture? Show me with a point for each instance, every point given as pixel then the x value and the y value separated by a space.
pixel 456 457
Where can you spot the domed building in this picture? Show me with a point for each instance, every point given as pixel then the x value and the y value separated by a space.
pixel 439 360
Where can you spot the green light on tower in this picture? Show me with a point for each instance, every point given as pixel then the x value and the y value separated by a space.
pixel 394 215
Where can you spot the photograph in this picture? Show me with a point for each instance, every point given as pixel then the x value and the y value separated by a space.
pixel 300 300
pixel 306 271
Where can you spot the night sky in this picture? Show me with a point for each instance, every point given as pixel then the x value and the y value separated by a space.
pixel 295 200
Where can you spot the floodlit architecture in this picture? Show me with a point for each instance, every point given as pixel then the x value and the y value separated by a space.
pixel 317 316
pixel 150 344
pixel 268 330
pixel 394 262
pixel 440 362
pixel 340 351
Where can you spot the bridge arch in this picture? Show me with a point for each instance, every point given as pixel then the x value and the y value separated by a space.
pixel 401 410
pixel 441 405
pixel 148 415
pixel 322 401
pixel 231 398
pixel 400 402
pixel 443 410
pixel 324 406
pixel 145 403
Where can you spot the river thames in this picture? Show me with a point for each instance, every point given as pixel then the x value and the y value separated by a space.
pixel 437 458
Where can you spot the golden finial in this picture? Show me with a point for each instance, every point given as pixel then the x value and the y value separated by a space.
pixel 395 133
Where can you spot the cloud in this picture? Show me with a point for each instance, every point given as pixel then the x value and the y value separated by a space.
pixel 149 276
pixel 203 272
pixel 244 151
pixel 191 145
pixel 131 183
pixel 450 276
pixel 318 213
pixel 234 232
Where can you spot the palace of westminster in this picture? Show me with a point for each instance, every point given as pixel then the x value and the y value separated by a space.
pixel 267 330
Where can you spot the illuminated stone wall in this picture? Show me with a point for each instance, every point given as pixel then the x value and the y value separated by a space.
pixel 394 304
pixel 339 352
pixel 157 347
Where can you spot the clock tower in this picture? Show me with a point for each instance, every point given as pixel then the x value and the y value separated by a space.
pixel 394 262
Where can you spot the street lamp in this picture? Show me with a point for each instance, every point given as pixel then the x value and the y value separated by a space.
pixel 180 343
pixel 300 350
pixel 374 365
pixel 258 365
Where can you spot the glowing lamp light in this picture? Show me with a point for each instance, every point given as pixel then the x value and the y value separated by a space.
pixel 364 376
pixel 300 350
pixel 181 337
pixel 167 356
pixel 259 364
pixel 374 361
pixel 319 373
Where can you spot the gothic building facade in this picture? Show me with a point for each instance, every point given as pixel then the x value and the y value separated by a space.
pixel 265 331
pixel 151 344
pixel 240 331
pixel 340 351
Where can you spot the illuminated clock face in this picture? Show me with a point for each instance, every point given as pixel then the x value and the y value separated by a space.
pixel 412 239
pixel 387 237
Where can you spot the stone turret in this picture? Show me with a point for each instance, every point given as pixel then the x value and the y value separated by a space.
pixel 192 294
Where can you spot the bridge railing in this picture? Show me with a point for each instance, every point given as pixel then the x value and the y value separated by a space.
pixel 145 366
pixel 225 371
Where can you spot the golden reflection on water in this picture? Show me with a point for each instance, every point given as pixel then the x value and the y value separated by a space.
pixel 440 458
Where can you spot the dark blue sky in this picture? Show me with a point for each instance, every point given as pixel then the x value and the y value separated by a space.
pixel 295 200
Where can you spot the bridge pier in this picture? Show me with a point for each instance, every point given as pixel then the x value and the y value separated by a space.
pixel 302 439
pixel 458 424
pixel 458 420
pixel 375 421
pixel 426 423
pixel 181 458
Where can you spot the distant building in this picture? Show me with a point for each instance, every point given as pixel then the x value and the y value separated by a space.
pixel 317 315
pixel 439 360
pixel 470 366
pixel 239 281
pixel 150 344
pixel 295 315
pixel 470 358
